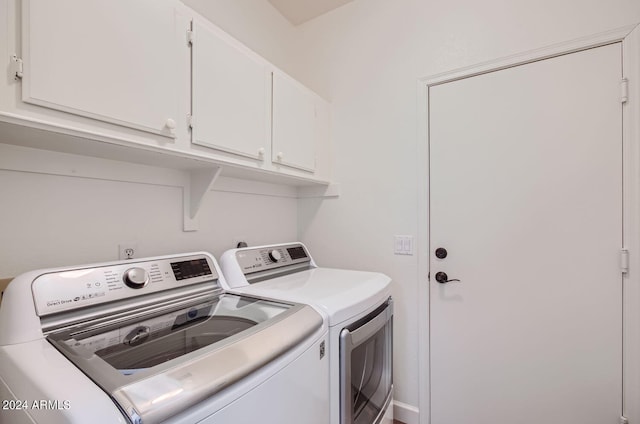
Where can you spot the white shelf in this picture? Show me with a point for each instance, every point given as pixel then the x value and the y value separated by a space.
pixel 193 171
pixel 38 134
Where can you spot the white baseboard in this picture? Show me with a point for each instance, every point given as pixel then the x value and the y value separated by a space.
pixel 408 414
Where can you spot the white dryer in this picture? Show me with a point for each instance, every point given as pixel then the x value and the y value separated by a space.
pixel 156 340
pixel 358 307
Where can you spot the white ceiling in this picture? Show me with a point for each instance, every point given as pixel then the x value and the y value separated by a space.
pixel 299 11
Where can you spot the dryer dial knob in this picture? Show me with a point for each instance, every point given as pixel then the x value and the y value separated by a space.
pixel 136 278
pixel 275 255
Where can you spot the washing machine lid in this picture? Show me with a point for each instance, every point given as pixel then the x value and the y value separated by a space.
pixel 340 294
pixel 158 364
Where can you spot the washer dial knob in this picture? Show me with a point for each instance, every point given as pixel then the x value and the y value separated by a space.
pixel 136 278
pixel 275 255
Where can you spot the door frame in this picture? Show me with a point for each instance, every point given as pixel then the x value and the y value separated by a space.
pixel 629 36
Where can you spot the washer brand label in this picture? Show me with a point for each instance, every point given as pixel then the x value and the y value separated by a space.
pixel 52 303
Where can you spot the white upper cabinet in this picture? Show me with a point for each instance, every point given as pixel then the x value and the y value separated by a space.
pixel 155 77
pixel 231 92
pixel 295 124
pixel 114 61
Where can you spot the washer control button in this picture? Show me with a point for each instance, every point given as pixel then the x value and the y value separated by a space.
pixel 136 278
pixel 275 255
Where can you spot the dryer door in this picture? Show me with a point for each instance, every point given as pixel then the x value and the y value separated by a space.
pixel 366 367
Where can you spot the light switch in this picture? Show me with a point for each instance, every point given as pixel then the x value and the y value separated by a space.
pixel 403 245
pixel 398 245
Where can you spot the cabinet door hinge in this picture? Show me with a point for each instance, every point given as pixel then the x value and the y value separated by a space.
pixel 624 420
pixel 624 261
pixel 190 37
pixel 190 121
pixel 624 90
pixel 17 67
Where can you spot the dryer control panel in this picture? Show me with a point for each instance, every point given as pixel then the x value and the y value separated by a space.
pixel 71 289
pixel 267 258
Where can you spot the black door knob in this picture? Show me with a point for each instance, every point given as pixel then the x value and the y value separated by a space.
pixel 442 277
pixel 441 253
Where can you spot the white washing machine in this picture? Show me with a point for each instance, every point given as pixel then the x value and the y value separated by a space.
pixel 157 340
pixel 358 307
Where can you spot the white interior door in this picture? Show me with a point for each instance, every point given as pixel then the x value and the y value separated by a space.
pixel 526 197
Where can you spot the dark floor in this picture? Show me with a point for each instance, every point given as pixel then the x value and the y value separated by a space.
pixel 397 422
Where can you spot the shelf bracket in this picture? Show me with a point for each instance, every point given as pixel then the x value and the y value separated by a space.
pixel 197 184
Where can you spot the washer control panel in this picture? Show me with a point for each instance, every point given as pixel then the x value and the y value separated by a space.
pixel 271 257
pixel 77 288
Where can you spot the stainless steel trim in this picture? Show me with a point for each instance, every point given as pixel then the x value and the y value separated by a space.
pixel 346 404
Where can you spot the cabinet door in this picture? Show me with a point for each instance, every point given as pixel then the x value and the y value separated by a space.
pixel 231 95
pixel 294 124
pixel 115 61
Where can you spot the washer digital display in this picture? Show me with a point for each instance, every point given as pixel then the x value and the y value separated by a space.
pixel 190 269
pixel 296 252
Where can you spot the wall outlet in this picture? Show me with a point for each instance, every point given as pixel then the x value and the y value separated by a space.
pixel 128 251
pixel 239 239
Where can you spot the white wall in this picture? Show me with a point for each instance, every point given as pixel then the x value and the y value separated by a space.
pixel 51 220
pixel 366 57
